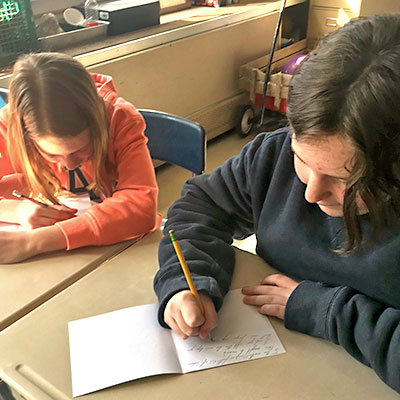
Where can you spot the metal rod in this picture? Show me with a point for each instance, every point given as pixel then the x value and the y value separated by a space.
pixel 271 56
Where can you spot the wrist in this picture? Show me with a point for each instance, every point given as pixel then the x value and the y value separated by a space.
pixel 46 239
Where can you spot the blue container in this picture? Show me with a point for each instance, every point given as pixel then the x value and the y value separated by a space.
pixel 3 97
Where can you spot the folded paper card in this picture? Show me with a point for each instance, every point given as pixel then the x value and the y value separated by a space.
pixel 80 202
pixel 128 344
pixel 4 226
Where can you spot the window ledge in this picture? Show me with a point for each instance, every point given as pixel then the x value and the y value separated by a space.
pixel 173 26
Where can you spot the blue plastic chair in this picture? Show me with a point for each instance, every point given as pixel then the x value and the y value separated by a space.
pixel 3 97
pixel 175 140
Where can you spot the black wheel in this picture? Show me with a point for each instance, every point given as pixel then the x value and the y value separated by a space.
pixel 246 121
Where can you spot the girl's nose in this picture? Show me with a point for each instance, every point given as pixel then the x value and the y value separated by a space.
pixel 71 162
pixel 317 188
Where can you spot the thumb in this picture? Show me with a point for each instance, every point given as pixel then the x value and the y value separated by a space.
pixel 210 316
pixel 67 209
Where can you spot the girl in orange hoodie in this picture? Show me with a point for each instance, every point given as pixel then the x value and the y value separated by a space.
pixel 67 130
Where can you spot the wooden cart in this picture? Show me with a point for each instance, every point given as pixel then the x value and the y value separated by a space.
pixel 252 78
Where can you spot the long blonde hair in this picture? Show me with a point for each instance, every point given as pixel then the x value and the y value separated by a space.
pixel 55 96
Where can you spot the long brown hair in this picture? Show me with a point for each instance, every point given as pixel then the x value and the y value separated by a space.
pixel 350 86
pixel 55 96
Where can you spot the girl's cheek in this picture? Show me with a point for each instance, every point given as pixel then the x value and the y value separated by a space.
pixel 49 159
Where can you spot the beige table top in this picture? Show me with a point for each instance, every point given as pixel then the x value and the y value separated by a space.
pixel 34 352
pixel 26 285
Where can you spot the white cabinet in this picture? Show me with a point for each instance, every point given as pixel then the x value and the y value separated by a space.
pixel 370 7
pixel 348 4
pixel 323 20
pixel 327 15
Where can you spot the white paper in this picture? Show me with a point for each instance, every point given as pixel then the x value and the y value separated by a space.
pixel 80 202
pixel 242 334
pixel 4 226
pixel 117 347
pixel 128 344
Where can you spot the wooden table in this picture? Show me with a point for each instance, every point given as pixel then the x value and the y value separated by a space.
pixel 34 351
pixel 26 285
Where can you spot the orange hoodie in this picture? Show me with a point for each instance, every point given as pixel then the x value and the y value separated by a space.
pixel 131 210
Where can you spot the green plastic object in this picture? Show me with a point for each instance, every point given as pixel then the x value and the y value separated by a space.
pixel 17 30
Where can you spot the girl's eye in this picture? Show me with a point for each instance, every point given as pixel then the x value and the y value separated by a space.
pixel 49 155
pixel 299 159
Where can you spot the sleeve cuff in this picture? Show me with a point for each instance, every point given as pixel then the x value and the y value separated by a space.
pixel 79 231
pixel 307 308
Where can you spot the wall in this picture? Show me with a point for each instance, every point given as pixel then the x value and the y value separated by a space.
pixel 196 77
pixel 192 69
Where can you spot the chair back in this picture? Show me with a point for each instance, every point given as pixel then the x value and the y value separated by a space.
pixel 3 97
pixel 175 140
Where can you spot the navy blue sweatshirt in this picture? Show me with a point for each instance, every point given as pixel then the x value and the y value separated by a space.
pixel 353 301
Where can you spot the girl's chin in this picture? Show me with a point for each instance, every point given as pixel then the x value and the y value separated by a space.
pixel 332 211
pixel 337 211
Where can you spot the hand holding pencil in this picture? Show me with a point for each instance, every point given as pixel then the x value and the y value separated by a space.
pixel 185 269
pixel 189 313
pixel 34 214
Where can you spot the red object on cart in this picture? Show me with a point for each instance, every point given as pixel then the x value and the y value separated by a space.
pixel 270 103
pixel 207 3
pixel 252 79
pixel 276 98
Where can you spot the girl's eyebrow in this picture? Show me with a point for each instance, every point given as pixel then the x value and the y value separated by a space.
pixel 45 152
pixel 291 148
pixel 331 176
pixel 40 150
pixel 54 155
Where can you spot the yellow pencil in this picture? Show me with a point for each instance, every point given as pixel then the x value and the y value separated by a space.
pixel 185 269
pixel 15 193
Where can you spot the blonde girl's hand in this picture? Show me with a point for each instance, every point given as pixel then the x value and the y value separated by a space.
pixel 32 216
pixel 271 295
pixel 184 317
pixel 21 245
pixel 14 247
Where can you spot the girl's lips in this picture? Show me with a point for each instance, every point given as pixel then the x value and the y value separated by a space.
pixel 329 205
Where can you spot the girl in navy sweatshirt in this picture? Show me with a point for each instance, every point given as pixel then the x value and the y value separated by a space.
pixel 322 197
